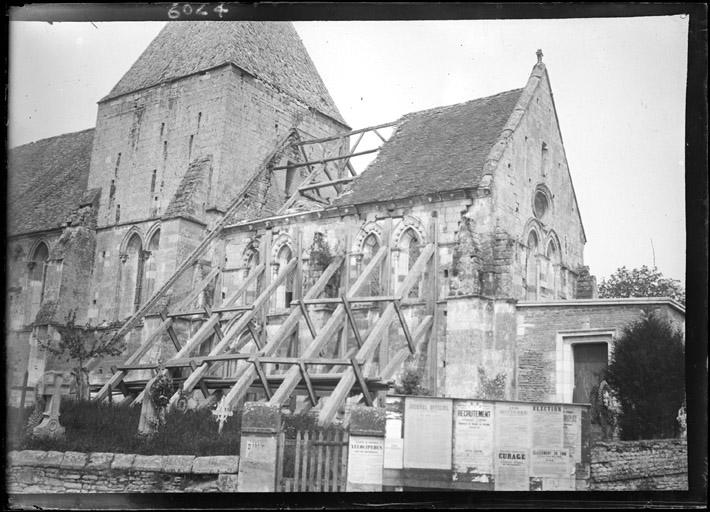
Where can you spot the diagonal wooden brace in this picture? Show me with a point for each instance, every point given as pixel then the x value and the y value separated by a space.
pixel 203 386
pixel 171 330
pixel 307 381
pixel 254 335
pixel 262 376
pixel 351 320
pixel 121 385
pixel 361 381
pixel 405 327
pixel 217 328
pixel 307 317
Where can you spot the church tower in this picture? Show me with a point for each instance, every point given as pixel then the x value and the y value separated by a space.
pixel 179 135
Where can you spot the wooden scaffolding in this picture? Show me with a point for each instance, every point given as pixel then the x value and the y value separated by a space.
pixel 231 324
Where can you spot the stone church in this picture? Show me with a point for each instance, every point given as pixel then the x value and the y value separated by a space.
pixel 192 215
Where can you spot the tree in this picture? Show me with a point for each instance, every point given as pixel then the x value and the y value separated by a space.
pixel 641 282
pixel 647 373
pixel 80 344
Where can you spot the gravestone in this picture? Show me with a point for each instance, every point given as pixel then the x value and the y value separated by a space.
pixel 52 387
pixel 149 420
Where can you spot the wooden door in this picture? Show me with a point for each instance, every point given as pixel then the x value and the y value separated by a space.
pixel 590 361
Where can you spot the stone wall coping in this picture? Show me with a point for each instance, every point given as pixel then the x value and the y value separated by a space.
pixel 640 443
pixel 216 464
pixel 629 301
pixel 103 461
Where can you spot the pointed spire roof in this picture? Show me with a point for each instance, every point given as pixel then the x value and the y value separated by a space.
pixel 271 51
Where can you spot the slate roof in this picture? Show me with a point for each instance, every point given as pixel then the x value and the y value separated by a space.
pixel 434 150
pixel 47 180
pixel 272 51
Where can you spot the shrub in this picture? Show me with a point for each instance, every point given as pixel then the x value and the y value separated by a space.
pixel 647 372
pixel 411 384
pixel 99 427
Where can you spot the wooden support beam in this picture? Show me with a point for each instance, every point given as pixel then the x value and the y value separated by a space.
pixel 254 335
pixel 401 355
pixel 240 197
pixel 217 329
pixel 204 331
pixel 343 135
pixel 262 376
pixel 338 300
pixel 361 381
pixel 171 331
pixel 307 382
pixel 322 184
pixel 307 317
pixel 203 386
pixel 246 377
pixel 405 327
pixel 325 160
pixel 373 339
pixel 238 327
pixel 351 320
pixel 330 329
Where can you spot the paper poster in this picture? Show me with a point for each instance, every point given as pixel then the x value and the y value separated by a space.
pixel 393 452
pixel 365 460
pixel 512 471
pixel 549 462
pixel 572 432
pixel 427 433
pixel 512 425
pixel 473 437
pixel 547 426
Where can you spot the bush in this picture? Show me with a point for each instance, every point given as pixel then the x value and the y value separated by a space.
pixel 411 384
pixel 647 372
pixel 100 427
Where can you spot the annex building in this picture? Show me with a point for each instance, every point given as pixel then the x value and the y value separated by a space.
pixel 213 213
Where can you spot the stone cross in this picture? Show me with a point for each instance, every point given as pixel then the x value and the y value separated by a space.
pixel 148 422
pixel 52 384
pixel 222 412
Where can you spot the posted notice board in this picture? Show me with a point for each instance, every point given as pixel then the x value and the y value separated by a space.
pixel 427 433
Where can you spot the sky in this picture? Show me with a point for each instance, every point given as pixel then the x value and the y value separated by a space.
pixel 618 84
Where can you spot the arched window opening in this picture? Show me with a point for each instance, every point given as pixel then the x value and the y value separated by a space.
pixel 370 246
pixel 553 268
pixel 131 277
pixel 284 294
pixel 37 266
pixel 253 260
pixel 531 273
pixel 409 250
pixel 151 266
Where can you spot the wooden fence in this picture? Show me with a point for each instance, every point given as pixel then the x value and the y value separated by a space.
pixel 314 461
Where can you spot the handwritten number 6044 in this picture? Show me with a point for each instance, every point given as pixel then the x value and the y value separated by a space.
pixel 176 11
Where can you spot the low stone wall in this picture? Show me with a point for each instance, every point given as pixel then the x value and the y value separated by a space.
pixel 659 464
pixel 33 471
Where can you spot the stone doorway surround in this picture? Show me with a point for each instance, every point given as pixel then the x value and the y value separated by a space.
pixel 564 364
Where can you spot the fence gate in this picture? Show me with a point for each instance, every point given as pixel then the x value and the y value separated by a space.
pixel 314 461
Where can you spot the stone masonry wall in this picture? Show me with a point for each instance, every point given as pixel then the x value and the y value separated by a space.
pixel 33 471
pixel 659 464
pixel 537 338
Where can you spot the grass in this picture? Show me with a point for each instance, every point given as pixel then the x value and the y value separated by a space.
pixel 99 427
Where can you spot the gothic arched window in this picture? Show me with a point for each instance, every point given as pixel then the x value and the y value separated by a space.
pixel 370 246
pixel 131 277
pixel 284 294
pixel 553 265
pixel 409 250
pixel 151 266
pixel 531 273
pixel 37 277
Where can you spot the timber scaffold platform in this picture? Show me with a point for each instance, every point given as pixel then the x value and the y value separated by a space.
pixel 233 330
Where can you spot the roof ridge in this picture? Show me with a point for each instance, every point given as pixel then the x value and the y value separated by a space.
pixel 66 134
pixel 460 104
